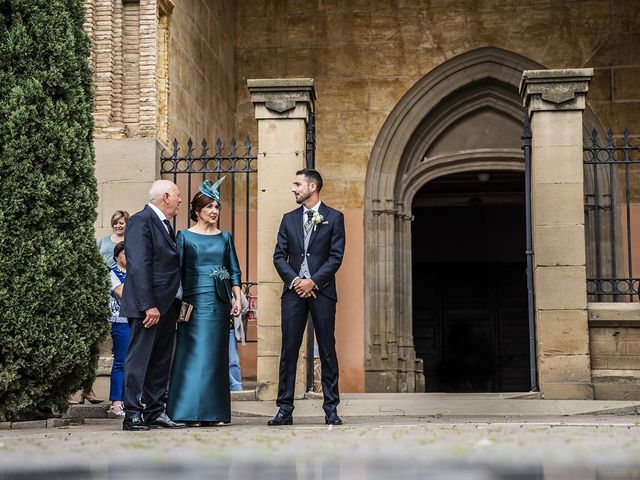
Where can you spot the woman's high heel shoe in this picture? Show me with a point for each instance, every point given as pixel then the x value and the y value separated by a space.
pixel 89 395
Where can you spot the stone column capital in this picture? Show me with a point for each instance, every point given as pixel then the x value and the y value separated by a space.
pixel 282 98
pixel 555 90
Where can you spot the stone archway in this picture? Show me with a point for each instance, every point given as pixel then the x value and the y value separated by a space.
pixel 439 127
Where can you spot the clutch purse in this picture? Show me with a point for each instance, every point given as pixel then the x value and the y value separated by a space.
pixel 185 312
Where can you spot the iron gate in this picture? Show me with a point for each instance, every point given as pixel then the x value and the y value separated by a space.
pixel 188 169
pixel 612 189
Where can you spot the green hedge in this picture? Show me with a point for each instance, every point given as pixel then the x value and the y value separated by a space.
pixel 53 284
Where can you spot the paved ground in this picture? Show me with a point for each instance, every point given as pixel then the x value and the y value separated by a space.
pixel 446 404
pixel 480 445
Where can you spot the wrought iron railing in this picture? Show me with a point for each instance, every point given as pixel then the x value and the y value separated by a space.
pixel 188 169
pixel 612 210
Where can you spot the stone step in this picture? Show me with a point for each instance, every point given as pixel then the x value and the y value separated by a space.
pixel 79 411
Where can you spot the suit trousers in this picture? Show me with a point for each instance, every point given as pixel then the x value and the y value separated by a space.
pixel 148 363
pixel 294 319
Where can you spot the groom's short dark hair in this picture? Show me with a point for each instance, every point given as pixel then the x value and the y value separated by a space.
pixel 313 176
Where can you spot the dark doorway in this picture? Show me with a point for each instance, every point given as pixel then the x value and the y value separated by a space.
pixel 470 322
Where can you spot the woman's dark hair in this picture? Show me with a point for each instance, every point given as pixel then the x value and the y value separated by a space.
pixel 198 202
pixel 312 176
pixel 117 250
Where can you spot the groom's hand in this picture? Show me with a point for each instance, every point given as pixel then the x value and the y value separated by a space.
pixel 153 317
pixel 304 288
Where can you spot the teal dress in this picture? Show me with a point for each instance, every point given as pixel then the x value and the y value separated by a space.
pixel 199 385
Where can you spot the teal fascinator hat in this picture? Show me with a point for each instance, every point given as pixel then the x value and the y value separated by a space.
pixel 210 189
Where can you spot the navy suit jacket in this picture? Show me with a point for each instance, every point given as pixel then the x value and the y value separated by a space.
pixel 153 266
pixel 324 253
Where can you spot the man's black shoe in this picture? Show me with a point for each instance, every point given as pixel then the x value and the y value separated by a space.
pixel 135 424
pixel 281 418
pixel 332 419
pixel 163 421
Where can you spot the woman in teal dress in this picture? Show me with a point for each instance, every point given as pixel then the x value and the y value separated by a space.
pixel 199 386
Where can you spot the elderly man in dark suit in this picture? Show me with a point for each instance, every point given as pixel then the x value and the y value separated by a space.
pixel 151 302
pixel 308 253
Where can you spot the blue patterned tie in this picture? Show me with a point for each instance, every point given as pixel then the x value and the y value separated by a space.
pixel 308 224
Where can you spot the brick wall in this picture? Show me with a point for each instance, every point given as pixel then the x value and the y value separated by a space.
pixel 124 57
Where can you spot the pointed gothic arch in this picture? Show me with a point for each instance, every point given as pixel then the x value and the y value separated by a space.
pixel 436 129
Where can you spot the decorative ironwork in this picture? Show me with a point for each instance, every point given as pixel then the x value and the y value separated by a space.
pixel 199 163
pixel 608 216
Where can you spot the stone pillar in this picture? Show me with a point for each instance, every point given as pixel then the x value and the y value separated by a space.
pixel 555 100
pixel 282 108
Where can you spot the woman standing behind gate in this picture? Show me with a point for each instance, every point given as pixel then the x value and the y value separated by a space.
pixel 199 385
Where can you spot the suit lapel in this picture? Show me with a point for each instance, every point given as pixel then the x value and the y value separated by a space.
pixel 297 225
pixel 322 210
pixel 158 223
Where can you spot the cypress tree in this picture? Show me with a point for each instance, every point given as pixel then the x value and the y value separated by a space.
pixel 53 283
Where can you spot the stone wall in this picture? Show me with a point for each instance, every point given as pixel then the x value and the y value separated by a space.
pixel 365 55
pixel 201 66
pixel 614 340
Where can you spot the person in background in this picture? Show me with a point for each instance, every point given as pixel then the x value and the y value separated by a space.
pixel 107 243
pixel 120 332
pixel 236 334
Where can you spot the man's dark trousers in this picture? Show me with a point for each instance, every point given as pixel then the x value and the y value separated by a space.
pixel 294 320
pixel 150 350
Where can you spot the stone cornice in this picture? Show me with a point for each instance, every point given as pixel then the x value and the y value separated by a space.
pixel 552 90
pixel 282 97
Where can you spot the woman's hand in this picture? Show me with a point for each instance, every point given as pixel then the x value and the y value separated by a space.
pixel 236 308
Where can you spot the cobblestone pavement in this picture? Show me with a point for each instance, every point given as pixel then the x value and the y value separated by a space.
pixel 364 448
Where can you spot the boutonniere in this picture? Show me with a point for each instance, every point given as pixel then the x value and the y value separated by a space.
pixel 316 220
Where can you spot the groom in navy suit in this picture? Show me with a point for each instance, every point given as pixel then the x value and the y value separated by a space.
pixel 307 256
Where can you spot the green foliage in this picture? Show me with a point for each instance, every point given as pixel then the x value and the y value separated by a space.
pixel 53 283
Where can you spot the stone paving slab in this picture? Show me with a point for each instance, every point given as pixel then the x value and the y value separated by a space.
pixel 519 405
pixel 437 405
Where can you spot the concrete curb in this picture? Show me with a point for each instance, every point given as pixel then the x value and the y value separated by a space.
pixel 36 424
